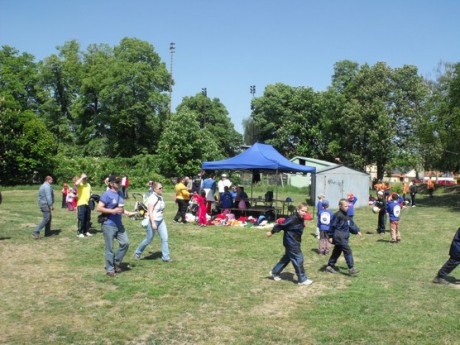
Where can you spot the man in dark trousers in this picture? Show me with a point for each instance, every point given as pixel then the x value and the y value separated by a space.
pixel 452 263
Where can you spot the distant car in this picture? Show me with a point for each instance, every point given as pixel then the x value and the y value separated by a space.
pixel 446 182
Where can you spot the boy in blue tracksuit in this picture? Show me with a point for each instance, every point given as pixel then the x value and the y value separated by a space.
pixel 452 263
pixel 394 211
pixel 293 230
pixel 341 227
pixel 351 205
pixel 325 217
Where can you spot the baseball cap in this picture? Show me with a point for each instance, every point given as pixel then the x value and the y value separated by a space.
pixel 325 203
pixel 224 175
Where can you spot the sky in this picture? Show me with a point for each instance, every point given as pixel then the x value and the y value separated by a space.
pixel 227 46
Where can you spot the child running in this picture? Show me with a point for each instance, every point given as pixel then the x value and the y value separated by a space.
pixel 201 199
pixel 324 223
pixel 339 233
pixel 293 230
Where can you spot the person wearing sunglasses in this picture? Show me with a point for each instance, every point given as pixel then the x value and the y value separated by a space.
pixel 155 209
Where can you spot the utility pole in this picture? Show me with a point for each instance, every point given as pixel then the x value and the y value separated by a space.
pixel 205 93
pixel 172 49
pixel 253 92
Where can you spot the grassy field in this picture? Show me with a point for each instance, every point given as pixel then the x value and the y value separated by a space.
pixel 217 290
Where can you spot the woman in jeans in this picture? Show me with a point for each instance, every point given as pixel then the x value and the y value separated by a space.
pixel 155 207
pixel 111 204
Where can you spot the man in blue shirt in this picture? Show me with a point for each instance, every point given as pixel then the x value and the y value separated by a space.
pixel 111 204
pixel 45 202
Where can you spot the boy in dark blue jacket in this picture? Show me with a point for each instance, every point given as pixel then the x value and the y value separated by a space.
pixel 339 233
pixel 293 230
pixel 453 261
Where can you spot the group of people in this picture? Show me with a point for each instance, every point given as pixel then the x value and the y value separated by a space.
pixel 208 194
pixel 334 228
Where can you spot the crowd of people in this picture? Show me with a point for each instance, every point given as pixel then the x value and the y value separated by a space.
pixel 332 228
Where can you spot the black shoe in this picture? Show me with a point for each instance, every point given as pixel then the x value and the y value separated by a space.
pixel 353 270
pixel 440 280
pixel 331 269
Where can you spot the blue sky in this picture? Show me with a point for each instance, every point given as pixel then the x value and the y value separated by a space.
pixel 227 46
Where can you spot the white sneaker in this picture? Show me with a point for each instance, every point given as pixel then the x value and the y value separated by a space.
pixel 275 277
pixel 80 235
pixel 88 234
pixel 306 282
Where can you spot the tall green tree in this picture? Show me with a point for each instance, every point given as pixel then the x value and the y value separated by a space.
pixel 26 146
pixel 90 109
pixel 18 80
pixel 440 127
pixel 61 76
pixel 214 117
pixel 291 119
pixel 379 118
pixel 134 98
pixel 184 145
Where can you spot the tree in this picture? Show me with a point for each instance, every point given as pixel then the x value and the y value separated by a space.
pixel 379 118
pixel 134 98
pixel 213 116
pixel 25 146
pixel 184 145
pixel 18 80
pixel 61 78
pixel 440 127
pixel 91 127
pixel 291 119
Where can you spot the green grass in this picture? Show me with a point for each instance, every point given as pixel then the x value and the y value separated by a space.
pixel 217 291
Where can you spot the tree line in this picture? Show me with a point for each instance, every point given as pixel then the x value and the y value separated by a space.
pixel 113 102
pixel 370 115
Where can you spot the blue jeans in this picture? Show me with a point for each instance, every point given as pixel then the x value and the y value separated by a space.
pixel 110 234
pixel 163 232
pixel 294 255
pixel 46 221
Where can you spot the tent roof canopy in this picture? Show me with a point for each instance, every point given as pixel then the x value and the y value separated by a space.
pixel 258 157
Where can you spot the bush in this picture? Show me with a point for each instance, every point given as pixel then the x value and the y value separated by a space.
pixel 139 169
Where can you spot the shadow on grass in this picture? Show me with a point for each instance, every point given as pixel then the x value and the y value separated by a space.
pixel 287 276
pixel 55 232
pixel 340 270
pixel 5 238
pixel 449 199
pixel 153 256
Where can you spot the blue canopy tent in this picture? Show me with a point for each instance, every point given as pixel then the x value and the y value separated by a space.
pixel 259 158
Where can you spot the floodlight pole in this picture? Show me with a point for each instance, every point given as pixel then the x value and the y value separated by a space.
pixel 172 49
pixel 253 92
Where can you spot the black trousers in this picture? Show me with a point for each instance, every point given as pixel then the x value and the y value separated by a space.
pixel 448 267
pixel 182 206
pixel 337 251
pixel 381 223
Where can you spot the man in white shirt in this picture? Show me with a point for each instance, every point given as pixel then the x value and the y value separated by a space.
pixel 224 182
